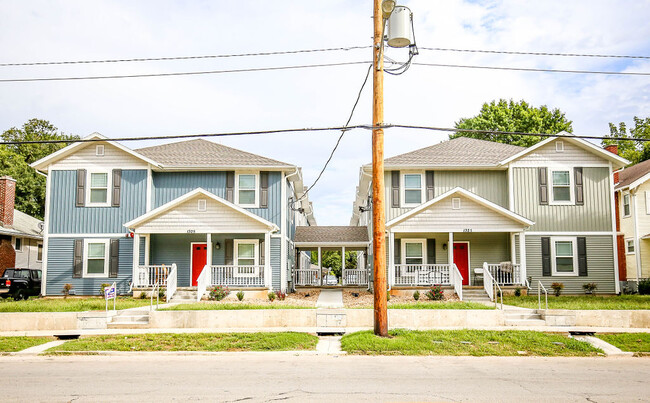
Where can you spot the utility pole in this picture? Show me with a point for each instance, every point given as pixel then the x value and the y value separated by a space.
pixel 378 209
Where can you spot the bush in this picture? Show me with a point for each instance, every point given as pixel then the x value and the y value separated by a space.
pixel 272 296
pixel 103 287
pixel 66 290
pixel 435 293
pixel 387 295
pixel 557 288
pixel 162 292
pixel 281 295
pixel 517 292
pixel 219 292
pixel 589 288
pixel 240 295
pixel 143 295
pixel 416 295
pixel 644 287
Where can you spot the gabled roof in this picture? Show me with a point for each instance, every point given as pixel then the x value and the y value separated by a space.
pixel 458 152
pixel 635 173
pixel 187 196
pixel 24 226
pixel 458 190
pixel 331 234
pixel 201 153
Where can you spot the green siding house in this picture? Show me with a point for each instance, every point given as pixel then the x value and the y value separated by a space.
pixel 187 214
pixel 467 210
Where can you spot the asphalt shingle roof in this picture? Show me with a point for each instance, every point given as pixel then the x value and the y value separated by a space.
pixel 629 175
pixel 203 153
pixel 24 225
pixel 461 151
pixel 336 234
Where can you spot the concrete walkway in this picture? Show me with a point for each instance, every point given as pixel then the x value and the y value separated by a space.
pixel 330 299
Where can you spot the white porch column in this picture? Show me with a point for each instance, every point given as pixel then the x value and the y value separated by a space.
pixel 342 262
pixel 522 256
pixel 136 256
pixel 391 259
pixel 267 260
pixel 513 248
pixel 320 268
pixel 208 241
pixel 147 249
pixel 450 249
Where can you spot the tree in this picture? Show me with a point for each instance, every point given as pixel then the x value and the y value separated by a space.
pixel 15 160
pixel 510 116
pixel 634 150
pixel 332 259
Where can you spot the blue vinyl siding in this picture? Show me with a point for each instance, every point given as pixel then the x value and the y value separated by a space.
pixel 60 261
pixel 276 262
pixel 66 218
pixel 171 185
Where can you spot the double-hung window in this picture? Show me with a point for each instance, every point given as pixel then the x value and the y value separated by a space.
pixel 564 254
pixel 629 246
pixel 412 189
pixel 39 252
pixel 414 250
pixel 246 257
pixel 626 205
pixel 96 257
pixel 98 184
pixel 18 244
pixel 247 195
pixel 561 186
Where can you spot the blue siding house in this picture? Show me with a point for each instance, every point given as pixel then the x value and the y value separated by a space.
pixel 187 214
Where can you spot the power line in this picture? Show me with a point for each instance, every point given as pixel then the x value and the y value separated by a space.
pixel 462 66
pixel 151 59
pixel 506 52
pixel 188 73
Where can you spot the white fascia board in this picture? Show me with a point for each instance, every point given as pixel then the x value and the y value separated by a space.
pixel 639 181
pixel 484 167
pixel 172 168
pixel 170 205
pixel 469 195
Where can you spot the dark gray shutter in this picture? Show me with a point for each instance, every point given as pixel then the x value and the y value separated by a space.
pixel 114 262
pixel 230 186
pixel 81 187
pixel 117 187
pixel 397 247
pixel 430 191
pixel 546 256
pixel 582 256
pixel 431 251
pixel 543 185
pixel 78 258
pixel 580 200
pixel 394 189
pixel 228 251
pixel 262 253
pixel 264 189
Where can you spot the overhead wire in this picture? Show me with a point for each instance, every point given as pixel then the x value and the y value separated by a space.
pixel 463 66
pixel 510 52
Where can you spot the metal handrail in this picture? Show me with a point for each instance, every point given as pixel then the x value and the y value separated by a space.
pixel 539 295
pixel 153 291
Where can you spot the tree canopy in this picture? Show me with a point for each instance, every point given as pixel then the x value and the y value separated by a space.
pixel 511 116
pixel 15 160
pixel 634 150
pixel 332 259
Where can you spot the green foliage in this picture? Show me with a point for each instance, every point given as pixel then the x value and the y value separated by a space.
pixel 13 344
pixel 143 295
pixel 416 295
pixel 590 287
pixel 15 160
pixel 435 293
pixel 511 116
pixel 68 305
pixel 635 342
pixel 635 151
pixel 584 302
pixel 66 290
pixel 272 296
pixel 103 287
pixel 219 292
pixel 644 287
pixel 517 292
pixel 240 295
pixel 557 288
pixel 332 259
pixel 387 295
pixel 281 295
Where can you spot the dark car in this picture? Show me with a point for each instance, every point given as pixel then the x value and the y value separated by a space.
pixel 20 283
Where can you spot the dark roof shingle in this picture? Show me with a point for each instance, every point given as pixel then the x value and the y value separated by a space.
pixel 331 234
pixel 629 175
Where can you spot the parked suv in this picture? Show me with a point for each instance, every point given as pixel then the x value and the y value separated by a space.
pixel 20 283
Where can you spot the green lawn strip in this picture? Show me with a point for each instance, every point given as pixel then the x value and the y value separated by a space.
pixel 285 341
pixel 439 305
pixel 11 344
pixel 634 342
pixel 583 302
pixel 466 342
pixel 69 305
pixel 206 306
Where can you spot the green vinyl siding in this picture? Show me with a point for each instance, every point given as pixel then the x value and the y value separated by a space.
pixel 594 215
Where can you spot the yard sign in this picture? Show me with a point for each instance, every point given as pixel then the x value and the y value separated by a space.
pixel 110 292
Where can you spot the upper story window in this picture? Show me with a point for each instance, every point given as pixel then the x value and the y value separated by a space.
pixel 98 184
pixel 246 190
pixel 561 186
pixel 564 257
pixel 629 246
pixel 412 189
pixel 626 205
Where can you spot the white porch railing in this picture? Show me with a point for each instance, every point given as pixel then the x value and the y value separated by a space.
pixel 490 285
pixel 504 273
pixel 422 274
pixel 171 282
pixel 457 281
pixel 237 276
pixel 355 277
pixel 307 277
pixel 202 282
pixel 149 276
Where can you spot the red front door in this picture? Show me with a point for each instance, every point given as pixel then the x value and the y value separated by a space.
pixel 199 259
pixel 461 258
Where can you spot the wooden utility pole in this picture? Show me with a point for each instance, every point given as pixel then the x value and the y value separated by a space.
pixel 378 209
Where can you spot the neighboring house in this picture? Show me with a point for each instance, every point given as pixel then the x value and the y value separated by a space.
pixel 633 198
pixel 176 215
pixel 544 213
pixel 21 241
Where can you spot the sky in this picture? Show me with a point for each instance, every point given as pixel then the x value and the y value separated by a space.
pixel 32 31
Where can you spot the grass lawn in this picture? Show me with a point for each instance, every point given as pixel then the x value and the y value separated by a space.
pixel 579 302
pixel 635 342
pixel 286 341
pixel 439 305
pixel 466 342
pixel 17 343
pixel 68 305
pixel 206 306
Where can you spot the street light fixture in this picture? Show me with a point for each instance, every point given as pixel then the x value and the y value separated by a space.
pixel 387 7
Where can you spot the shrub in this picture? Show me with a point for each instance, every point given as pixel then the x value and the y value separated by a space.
pixel 102 288
pixel 517 292
pixel 644 287
pixel 387 295
pixel 416 295
pixel 162 292
pixel 435 293
pixel 143 295
pixel 272 296
pixel 66 290
pixel 240 295
pixel 589 288
pixel 281 295
pixel 219 292
pixel 557 288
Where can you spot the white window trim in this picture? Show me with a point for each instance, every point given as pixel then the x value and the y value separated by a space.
pixel 574 243
pixel 257 189
pixel 551 201
pixel 559 146
pixel 42 252
pixel 647 202
pixel 627 250
pixel 202 205
pixel 629 204
pixel 414 240
pixel 107 254
pixel 256 249
pixel 455 203
pixel 403 188
pixel 100 150
pixel 22 241
pixel 109 186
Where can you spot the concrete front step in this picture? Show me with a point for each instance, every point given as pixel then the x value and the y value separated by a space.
pixel 525 322
pixel 518 316
pixel 128 325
